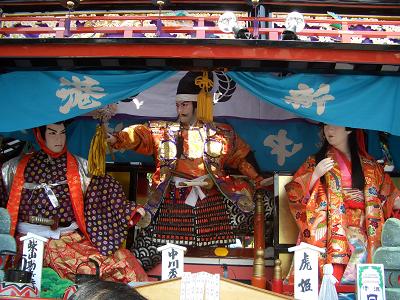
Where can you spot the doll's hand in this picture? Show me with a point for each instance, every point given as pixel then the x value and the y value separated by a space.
pixel 323 167
pixel 111 139
pixel 141 211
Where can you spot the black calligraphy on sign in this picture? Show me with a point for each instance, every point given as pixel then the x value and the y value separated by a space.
pixel 32 249
pixel 305 285
pixel 305 263
pixel 173 253
pixel 173 264
pixel 28 264
pixel 173 273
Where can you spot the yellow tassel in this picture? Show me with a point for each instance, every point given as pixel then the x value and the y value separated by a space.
pixel 204 99
pixel 97 152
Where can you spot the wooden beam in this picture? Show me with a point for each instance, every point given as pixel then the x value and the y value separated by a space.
pixel 326 52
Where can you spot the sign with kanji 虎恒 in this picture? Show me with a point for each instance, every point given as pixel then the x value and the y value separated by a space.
pixel 172 261
pixel 306 271
pixel 32 257
pixel 370 282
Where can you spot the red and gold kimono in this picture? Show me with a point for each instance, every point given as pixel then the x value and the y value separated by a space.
pixel 208 148
pixel 346 222
pixel 59 187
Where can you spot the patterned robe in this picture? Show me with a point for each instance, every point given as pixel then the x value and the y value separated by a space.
pixel 98 206
pixel 333 217
pixel 207 150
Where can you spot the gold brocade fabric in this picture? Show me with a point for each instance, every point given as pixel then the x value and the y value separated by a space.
pixel 355 232
pixel 72 250
pixel 321 214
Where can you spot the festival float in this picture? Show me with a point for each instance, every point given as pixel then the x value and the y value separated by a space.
pixel 273 71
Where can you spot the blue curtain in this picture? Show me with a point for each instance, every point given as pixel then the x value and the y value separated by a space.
pixel 359 101
pixel 31 99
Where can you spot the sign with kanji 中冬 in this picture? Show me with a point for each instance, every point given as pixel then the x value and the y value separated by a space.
pixel 172 261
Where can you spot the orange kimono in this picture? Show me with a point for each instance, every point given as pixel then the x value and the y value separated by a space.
pixel 345 221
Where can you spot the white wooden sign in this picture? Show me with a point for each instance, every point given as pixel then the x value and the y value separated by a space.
pixel 32 257
pixel 187 286
pixel 370 282
pixel 212 286
pixel 200 286
pixel 306 271
pixel 172 261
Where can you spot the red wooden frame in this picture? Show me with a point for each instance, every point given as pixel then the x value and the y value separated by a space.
pixel 238 52
pixel 207 49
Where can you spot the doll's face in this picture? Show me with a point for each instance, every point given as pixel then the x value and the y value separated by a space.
pixel 55 137
pixel 336 135
pixel 186 112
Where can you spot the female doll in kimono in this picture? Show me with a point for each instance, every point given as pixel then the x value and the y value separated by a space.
pixel 92 215
pixel 340 198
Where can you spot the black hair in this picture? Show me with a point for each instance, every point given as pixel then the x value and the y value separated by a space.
pixel 105 290
pixel 357 174
pixel 42 129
